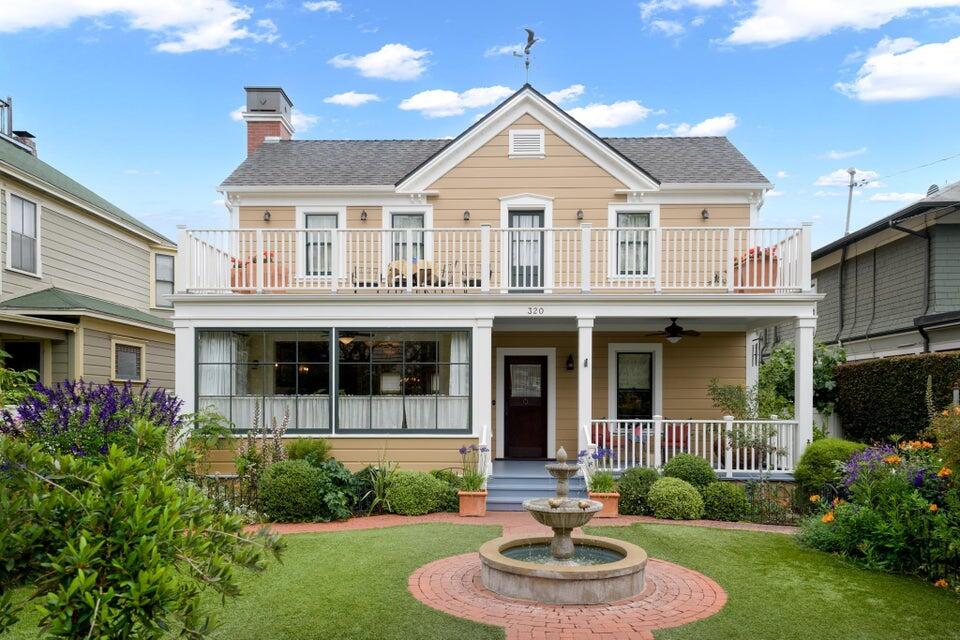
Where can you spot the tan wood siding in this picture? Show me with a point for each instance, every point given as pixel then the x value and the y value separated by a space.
pixel 60 361
pixel 159 354
pixel 691 215
pixel 280 218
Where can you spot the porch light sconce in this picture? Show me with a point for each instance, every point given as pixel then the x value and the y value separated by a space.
pixel 579 214
pixel 586 362
pixel 266 216
pixel 570 362
pixel 673 339
pixel 466 216
pixel 705 214
pixel 363 215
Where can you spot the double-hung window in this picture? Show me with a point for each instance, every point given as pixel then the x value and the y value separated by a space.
pixel 319 243
pixel 633 243
pixel 163 279
pixel 23 237
pixel 406 241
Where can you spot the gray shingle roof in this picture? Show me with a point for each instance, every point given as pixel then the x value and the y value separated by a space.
pixel 386 162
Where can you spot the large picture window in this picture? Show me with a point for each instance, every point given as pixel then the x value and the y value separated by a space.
pixel 410 380
pixel 281 371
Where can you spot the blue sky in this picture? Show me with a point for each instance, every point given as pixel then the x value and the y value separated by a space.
pixel 134 98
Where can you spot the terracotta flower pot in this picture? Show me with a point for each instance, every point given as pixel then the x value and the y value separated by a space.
pixel 473 504
pixel 754 270
pixel 610 502
pixel 243 277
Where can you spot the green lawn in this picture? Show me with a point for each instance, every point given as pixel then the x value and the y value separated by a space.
pixel 353 585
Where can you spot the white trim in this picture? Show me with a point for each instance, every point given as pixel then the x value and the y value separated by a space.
pixel 551 354
pixel 531 202
pixel 164 251
pixel 301 212
pixel 251 116
pixel 613 209
pixel 114 341
pixel 613 349
pixel 538 153
pixel 527 102
pixel 37 212
pixel 706 186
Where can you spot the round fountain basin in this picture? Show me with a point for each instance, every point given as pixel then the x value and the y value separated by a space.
pixel 602 570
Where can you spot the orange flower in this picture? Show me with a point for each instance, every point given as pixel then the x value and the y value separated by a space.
pixel 827 517
pixel 926 445
pixel 945 472
pixel 837 501
pixel 892 459
pixel 933 508
pixel 943 584
pixel 814 498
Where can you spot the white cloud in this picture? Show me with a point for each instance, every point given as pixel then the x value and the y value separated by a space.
pixel 503 49
pixel 330 6
pixel 237 114
pixel 391 62
pixel 572 92
pixel 773 193
pixel 663 126
pixel 669 28
pixel 183 25
pixel 302 121
pixel 903 69
pixel 441 103
pixel 352 99
pixel 783 174
pixel 775 22
pixel 608 116
pixel 652 7
pixel 896 197
pixel 840 178
pixel 840 155
pixel 716 126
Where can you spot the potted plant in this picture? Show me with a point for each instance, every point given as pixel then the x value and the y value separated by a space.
pixel 603 488
pixel 756 270
pixel 244 277
pixel 473 482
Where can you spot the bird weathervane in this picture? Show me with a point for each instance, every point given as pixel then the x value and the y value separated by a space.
pixel 531 40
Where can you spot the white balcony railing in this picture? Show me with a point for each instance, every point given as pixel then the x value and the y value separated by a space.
pixel 730 446
pixel 708 259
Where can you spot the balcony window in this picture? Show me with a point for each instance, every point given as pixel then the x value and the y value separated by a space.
pixel 410 380
pixel 633 243
pixel 400 238
pixel 23 236
pixel 319 243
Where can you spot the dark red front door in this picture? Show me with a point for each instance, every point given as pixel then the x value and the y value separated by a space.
pixel 525 413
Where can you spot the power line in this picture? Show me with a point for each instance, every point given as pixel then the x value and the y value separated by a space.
pixel 921 166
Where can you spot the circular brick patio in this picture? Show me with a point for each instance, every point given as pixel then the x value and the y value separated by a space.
pixel 674 596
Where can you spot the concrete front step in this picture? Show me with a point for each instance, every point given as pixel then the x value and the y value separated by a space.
pixel 514 481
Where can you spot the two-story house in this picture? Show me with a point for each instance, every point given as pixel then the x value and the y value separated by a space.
pixel 527 285
pixel 85 286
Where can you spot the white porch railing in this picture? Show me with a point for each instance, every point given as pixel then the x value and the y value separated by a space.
pixel 724 443
pixel 476 260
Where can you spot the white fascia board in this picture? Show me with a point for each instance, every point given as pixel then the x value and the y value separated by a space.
pixel 526 102
pixel 715 186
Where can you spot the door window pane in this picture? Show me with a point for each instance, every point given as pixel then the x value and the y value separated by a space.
pixel 633 243
pixel 634 386
pixel 525 381
pixel 526 250
pixel 401 238
pixel 319 243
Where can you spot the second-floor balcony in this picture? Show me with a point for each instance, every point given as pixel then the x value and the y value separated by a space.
pixel 734 260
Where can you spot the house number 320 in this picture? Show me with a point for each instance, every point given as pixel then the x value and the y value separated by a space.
pixel 534 311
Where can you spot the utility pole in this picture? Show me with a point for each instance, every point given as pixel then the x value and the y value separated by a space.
pixel 852 172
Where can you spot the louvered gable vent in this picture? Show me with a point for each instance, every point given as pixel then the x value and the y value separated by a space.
pixel 526 142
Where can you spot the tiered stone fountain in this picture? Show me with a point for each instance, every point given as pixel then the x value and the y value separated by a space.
pixel 562 569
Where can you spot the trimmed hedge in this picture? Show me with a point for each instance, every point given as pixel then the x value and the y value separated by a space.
pixel 290 492
pixel 634 486
pixel 414 493
pixel 693 469
pixel 725 501
pixel 675 499
pixel 818 464
pixel 878 398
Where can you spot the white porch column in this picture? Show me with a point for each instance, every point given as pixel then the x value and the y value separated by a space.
pixel 483 378
pixel 753 365
pixel 584 381
pixel 185 354
pixel 803 381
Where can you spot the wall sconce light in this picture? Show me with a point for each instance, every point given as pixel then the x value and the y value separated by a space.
pixel 705 214
pixel 586 362
pixel 579 214
pixel 466 216
pixel 266 216
pixel 363 215
pixel 570 362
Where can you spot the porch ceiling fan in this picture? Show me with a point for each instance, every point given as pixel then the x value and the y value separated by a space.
pixel 673 332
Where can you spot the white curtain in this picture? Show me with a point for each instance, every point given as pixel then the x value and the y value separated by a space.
pixel 217 347
pixel 386 412
pixel 353 412
pixel 453 413
pixel 313 412
pixel 459 353
pixel 421 412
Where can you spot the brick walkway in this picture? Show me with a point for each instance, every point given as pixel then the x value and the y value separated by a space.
pixel 513 523
pixel 674 596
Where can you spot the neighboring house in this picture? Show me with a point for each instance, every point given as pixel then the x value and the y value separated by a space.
pixel 85 286
pixel 508 287
pixel 898 279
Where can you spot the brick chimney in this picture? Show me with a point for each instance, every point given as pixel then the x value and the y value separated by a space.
pixel 267 116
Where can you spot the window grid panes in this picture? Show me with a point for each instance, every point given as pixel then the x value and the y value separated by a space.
pixel 633 242
pixel 634 386
pixel 319 243
pixel 163 283
pixel 281 371
pixel 128 364
pixel 410 380
pixel 23 234
pixel 401 238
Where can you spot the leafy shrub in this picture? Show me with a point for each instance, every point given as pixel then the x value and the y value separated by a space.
pixel 14 385
pixel 290 491
pixel 776 374
pixel 375 482
pixel 451 501
pixel 414 493
pixel 101 542
pixel 340 488
pixel 900 513
pixel 725 501
pixel 316 449
pixel 85 419
pixel 634 486
pixel 693 469
pixel 602 482
pixel 675 499
pixel 817 471
pixel 945 429
pixel 880 398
